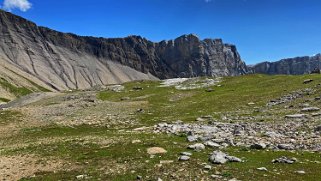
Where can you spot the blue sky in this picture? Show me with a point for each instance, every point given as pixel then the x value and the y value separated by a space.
pixel 261 29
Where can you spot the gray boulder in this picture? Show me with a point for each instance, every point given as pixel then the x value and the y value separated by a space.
pixel 197 147
pixel 258 146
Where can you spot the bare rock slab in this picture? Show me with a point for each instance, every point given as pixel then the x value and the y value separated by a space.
pixel 156 150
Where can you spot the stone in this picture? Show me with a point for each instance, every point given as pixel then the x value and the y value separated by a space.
pixel 233 179
pixel 159 179
pixel 272 134
pixel 156 150
pixel 310 109
pixel 212 144
pixel 262 169
pixel 166 161
pixel 200 119
pixel 125 98
pixel 300 172
pixel 251 103
pixel 186 153
pixel 218 157
pixel 184 158
pixel 317 129
pixel 316 114
pixel 197 147
pixel 192 138
pixel 137 88
pixel 258 146
pixel 81 177
pixel 285 147
pixel 208 167
pixel 233 159
pixel 216 176
pixel 296 116
pixel 307 81
pixel 136 141
pixel 139 177
pixel 284 160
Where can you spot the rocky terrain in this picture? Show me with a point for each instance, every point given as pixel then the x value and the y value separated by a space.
pixel 290 66
pixel 178 129
pixel 63 61
pixel 61 120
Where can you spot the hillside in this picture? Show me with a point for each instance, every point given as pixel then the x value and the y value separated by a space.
pixel 176 129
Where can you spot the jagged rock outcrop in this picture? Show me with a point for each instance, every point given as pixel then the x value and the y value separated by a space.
pixel 292 66
pixel 67 61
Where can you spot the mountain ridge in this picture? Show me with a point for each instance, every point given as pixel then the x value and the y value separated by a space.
pixel 290 66
pixel 69 61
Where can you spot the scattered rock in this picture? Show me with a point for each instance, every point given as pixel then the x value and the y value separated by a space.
pixel 192 138
pixel 159 179
pixel 81 177
pixel 318 129
pixel 233 159
pixel 296 116
pixel 141 128
pixel 262 169
pixel 251 103
pixel 125 98
pixel 218 157
pixel 310 109
pixel 166 161
pixel 216 176
pixel 137 88
pixel 300 172
pixel 284 160
pixel 197 147
pixel 285 147
pixel 212 144
pixel 186 154
pixel 184 158
pixel 200 119
pixel 136 141
pixel 139 177
pixel 316 114
pixel 156 150
pixel 258 146
pixel 208 167
pixel 307 81
pixel 209 90
pixel 140 110
pixel 233 179
pixel 272 134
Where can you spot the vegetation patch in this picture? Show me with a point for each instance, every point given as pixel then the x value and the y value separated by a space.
pixel 17 91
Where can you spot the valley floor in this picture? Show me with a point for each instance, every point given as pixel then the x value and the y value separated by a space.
pixel 174 130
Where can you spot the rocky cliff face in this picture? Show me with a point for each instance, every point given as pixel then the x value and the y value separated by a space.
pixel 67 61
pixel 293 66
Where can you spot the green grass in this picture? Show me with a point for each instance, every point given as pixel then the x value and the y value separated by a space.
pixel 17 91
pixel 4 99
pixel 234 94
pixel 109 154
pixel 38 87
pixel 123 156
pixel 9 116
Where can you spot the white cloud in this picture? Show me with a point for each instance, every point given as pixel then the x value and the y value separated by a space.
pixel 22 5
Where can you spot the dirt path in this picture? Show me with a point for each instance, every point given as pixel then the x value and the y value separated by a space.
pixel 16 167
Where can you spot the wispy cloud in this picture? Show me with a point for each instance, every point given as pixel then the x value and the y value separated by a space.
pixel 208 1
pixel 22 5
